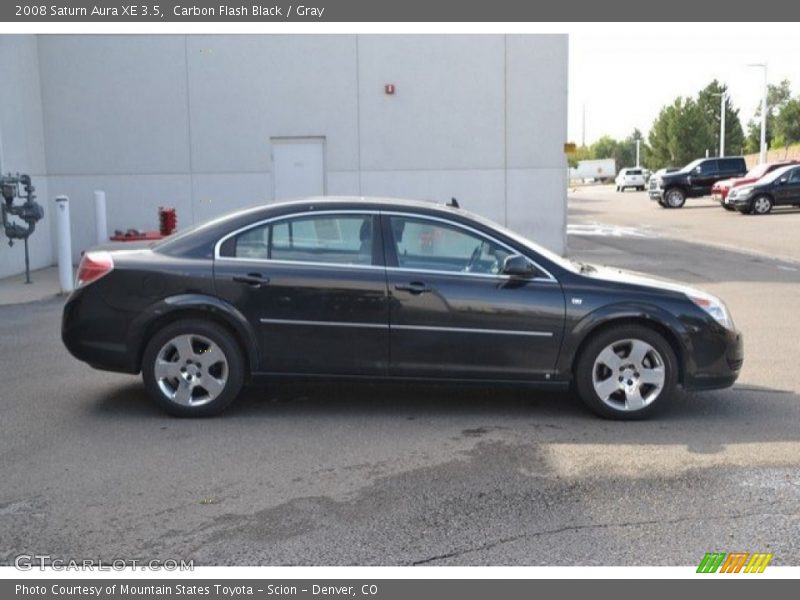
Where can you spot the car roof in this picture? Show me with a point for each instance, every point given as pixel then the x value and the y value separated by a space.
pixel 245 216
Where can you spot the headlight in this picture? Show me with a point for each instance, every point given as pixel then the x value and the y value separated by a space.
pixel 741 192
pixel 714 307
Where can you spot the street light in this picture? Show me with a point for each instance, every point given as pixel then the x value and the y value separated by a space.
pixel 762 157
pixel 722 97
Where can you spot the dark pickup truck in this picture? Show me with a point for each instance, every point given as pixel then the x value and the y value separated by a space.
pixel 694 180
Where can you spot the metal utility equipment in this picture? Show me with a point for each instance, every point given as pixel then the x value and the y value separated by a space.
pixel 19 186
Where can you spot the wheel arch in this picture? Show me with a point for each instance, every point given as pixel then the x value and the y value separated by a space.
pixel 194 306
pixel 587 330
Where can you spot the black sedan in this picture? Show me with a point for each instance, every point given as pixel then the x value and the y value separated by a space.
pixel 781 187
pixel 364 289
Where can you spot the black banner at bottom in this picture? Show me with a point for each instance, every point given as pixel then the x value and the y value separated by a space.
pixel 386 589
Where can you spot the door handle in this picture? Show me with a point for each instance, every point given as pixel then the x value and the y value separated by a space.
pixel 254 280
pixel 415 287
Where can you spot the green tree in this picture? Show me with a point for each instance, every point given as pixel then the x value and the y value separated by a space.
pixel 622 151
pixel 680 134
pixel 787 124
pixel 708 100
pixel 777 98
pixel 689 127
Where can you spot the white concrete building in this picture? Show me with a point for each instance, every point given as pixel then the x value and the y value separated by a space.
pixel 210 123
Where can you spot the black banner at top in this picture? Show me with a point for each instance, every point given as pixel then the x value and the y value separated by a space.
pixel 54 11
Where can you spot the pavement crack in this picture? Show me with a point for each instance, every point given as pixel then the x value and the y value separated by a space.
pixel 533 534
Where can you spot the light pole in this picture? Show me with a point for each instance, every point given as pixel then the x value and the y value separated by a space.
pixel 762 157
pixel 638 141
pixel 722 97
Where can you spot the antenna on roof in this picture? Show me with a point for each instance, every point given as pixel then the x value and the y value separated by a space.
pixel 454 203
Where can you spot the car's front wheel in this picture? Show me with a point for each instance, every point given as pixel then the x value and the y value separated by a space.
pixel 626 372
pixel 675 198
pixel 762 205
pixel 193 368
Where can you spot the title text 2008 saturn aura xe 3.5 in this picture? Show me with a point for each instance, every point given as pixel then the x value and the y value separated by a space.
pixel 395 289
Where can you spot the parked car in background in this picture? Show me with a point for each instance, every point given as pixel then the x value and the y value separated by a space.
pixel 720 190
pixel 377 289
pixel 630 178
pixel 695 180
pixel 781 187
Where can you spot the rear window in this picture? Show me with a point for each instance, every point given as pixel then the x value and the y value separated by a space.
pixel 635 172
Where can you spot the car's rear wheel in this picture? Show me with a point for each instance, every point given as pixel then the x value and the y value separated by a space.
pixel 675 198
pixel 762 205
pixel 193 368
pixel 626 372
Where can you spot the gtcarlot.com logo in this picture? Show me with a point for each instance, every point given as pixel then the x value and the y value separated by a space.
pixel 734 562
pixel 28 562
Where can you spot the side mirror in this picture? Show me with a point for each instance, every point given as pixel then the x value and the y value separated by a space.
pixel 518 266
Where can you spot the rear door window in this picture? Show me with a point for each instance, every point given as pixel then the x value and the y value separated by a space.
pixel 346 239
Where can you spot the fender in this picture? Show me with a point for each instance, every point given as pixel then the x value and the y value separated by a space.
pixel 195 302
pixel 577 331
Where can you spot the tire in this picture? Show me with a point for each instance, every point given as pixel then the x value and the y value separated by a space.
pixel 761 205
pixel 639 355
pixel 674 198
pixel 193 368
pixel 662 204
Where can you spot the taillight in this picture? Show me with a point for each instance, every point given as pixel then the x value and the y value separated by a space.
pixel 93 266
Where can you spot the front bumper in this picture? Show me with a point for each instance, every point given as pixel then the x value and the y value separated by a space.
pixel 716 359
pixel 655 193
pixel 740 203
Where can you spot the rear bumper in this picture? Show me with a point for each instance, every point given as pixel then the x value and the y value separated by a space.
pixel 716 360
pixel 91 331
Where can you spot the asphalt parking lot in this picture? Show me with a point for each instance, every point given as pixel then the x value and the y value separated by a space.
pixel 381 474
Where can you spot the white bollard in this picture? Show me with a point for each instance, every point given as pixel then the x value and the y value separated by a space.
pixel 64 244
pixel 101 223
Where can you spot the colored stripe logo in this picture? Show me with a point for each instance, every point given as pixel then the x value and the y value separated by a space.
pixel 734 562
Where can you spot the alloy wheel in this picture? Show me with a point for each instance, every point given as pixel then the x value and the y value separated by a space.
pixel 762 205
pixel 628 375
pixel 191 370
pixel 675 199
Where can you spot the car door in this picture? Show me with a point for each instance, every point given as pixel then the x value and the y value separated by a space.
pixel 314 288
pixel 453 314
pixel 703 177
pixel 787 190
